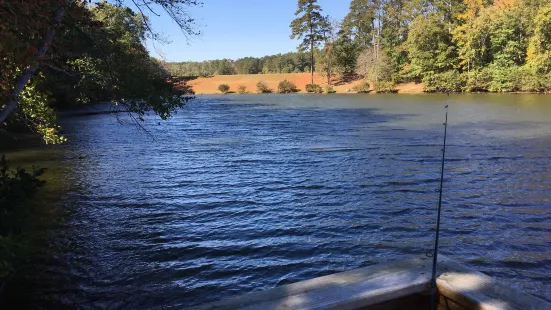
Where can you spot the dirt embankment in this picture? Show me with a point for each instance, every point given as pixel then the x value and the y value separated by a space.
pixel 209 85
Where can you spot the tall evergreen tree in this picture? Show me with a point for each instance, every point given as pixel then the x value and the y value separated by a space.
pixel 360 22
pixel 311 26
pixel 394 32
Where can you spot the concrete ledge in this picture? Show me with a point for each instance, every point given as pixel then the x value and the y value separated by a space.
pixel 368 288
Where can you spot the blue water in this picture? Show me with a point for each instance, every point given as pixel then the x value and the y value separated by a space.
pixel 237 194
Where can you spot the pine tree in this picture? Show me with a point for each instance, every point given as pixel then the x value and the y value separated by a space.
pixel 311 26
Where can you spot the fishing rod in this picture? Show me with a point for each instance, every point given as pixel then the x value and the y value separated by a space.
pixel 435 253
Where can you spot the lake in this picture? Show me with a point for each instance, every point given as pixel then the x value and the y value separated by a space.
pixel 237 194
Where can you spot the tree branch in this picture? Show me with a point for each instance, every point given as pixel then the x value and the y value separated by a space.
pixel 8 107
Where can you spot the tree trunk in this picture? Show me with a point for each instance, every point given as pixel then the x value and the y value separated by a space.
pixel 11 104
pixel 373 42
pixel 378 40
pixel 312 62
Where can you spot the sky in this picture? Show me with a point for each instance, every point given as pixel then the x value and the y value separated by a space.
pixel 235 29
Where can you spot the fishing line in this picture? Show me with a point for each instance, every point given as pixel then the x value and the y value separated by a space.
pixel 433 289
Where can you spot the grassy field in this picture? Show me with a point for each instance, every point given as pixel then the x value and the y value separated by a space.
pixel 209 85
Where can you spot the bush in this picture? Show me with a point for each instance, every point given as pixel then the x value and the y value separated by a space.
pixel 286 87
pixel 314 88
pixel 362 88
pixel 478 80
pixel 528 79
pixel 329 89
pixel 500 77
pixel 262 88
pixel 224 88
pixel 446 82
pixel 381 87
pixel 17 188
pixel 242 89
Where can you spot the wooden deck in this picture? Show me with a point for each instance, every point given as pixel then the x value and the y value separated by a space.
pixel 402 284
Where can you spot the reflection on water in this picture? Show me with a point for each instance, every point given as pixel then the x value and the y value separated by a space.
pixel 242 193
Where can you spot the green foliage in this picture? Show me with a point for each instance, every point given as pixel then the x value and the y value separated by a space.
pixel 358 23
pixel 446 82
pixel 478 80
pixel 286 87
pixel 384 87
pixel 345 53
pixel 501 77
pixel 472 35
pixel 430 47
pixel 314 88
pixel 528 79
pixel 280 63
pixel 248 65
pixel 98 55
pixel 487 44
pixel 509 37
pixel 120 65
pixel 363 87
pixel 329 89
pixel 397 15
pixel 262 88
pixel 242 89
pixel 224 88
pixel 539 47
pixel 17 188
pixel 375 67
pixel 309 25
pixel 35 111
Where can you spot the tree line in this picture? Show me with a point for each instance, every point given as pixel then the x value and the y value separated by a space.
pixel 449 45
pixel 280 63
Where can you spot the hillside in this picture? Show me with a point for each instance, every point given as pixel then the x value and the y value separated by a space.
pixel 209 85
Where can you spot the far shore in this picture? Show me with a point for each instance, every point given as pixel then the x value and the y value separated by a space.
pixel 209 85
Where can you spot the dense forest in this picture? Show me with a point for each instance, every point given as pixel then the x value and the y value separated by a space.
pixel 450 45
pixel 280 63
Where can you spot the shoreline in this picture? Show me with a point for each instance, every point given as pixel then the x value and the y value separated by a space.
pixel 209 85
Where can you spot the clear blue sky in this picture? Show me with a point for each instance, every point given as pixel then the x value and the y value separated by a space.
pixel 237 28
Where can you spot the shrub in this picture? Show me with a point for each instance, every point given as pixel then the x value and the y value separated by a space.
pixel 500 77
pixel 224 88
pixel 262 88
pixel 478 80
pixel 445 82
pixel 384 87
pixel 329 89
pixel 528 79
pixel 362 88
pixel 286 87
pixel 314 88
pixel 242 89
pixel 17 188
